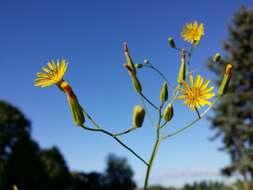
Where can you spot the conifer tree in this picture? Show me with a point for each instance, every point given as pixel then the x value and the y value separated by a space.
pixel 233 117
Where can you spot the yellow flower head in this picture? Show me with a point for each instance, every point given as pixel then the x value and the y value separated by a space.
pixel 51 75
pixel 192 32
pixel 197 93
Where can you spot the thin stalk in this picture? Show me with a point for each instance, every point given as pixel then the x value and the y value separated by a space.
pixel 174 97
pixel 150 163
pixel 198 112
pixel 124 132
pixel 117 139
pixel 189 54
pixel 91 119
pixel 164 124
pixel 194 121
pixel 146 109
pixel 145 98
pixel 154 151
pixel 180 50
pixel 160 73
pixel 98 127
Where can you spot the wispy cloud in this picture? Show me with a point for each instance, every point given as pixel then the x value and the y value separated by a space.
pixel 180 177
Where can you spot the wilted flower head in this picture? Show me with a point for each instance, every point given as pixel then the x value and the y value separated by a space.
pixel 192 32
pixel 51 75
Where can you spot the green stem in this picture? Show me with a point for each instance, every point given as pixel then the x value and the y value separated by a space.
pixel 117 139
pixel 99 129
pixel 160 73
pixel 91 119
pixel 124 132
pixel 174 97
pixel 164 124
pixel 189 54
pixel 145 98
pixel 198 112
pixel 155 149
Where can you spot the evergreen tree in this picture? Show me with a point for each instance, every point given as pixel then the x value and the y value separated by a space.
pixel 233 117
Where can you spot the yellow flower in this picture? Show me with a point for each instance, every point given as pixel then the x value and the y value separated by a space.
pixel 192 32
pixel 197 93
pixel 51 75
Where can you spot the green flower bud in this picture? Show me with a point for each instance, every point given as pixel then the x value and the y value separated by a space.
pixel 225 82
pixel 168 113
pixel 216 57
pixel 138 116
pixel 135 81
pixel 164 93
pixel 138 66
pixel 137 84
pixel 129 59
pixel 171 42
pixel 76 110
pixel 182 70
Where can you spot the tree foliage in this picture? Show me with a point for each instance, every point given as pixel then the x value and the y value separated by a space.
pixel 118 174
pixel 24 164
pixel 233 118
pixel 58 176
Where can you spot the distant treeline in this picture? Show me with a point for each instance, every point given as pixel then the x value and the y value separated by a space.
pixel 24 164
pixel 204 186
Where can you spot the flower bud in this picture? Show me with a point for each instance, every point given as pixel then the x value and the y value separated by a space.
pixel 216 57
pixel 76 110
pixel 129 59
pixel 137 84
pixel 168 113
pixel 224 83
pixel 135 81
pixel 164 93
pixel 171 42
pixel 138 116
pixel 138 66
pixel 146 61
pixel 182 70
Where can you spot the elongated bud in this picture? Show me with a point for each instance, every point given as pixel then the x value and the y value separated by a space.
pixel 129 61
pixel 171 42
pixel 75 108
pixel 216 57
pixel 182 70
pixel 138 116
pixel 168 112
pixel 130 70
pixel 138 66
pixel 137 84
pixel 226 78
pixel 135 81
pixel 164 93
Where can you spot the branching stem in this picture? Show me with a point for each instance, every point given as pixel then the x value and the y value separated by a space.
pixel 117 139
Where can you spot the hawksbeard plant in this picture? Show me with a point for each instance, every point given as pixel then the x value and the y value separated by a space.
pixel 195 91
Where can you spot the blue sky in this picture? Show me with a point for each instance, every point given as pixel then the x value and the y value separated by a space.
pixel 89 34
